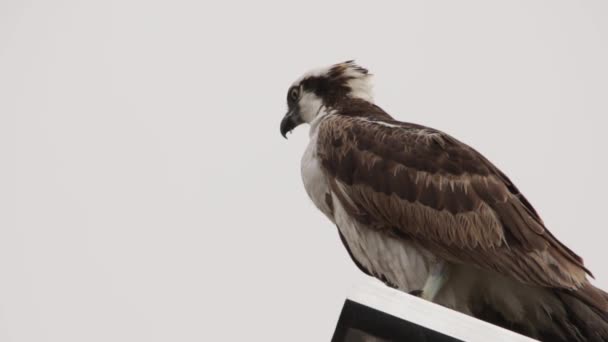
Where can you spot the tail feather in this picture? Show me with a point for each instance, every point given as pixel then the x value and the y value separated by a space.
pixel 590 318
pixel 551 314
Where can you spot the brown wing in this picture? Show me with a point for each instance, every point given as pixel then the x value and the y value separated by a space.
pixel 421 184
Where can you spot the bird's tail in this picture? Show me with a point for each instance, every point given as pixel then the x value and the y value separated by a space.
pixel 551 314
pixel 586 314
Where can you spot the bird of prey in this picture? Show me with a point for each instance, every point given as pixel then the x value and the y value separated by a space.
pixel 429 215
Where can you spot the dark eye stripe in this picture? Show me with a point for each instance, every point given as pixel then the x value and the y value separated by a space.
pixel 293 94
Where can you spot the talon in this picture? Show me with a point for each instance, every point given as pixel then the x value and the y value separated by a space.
pixel 417 293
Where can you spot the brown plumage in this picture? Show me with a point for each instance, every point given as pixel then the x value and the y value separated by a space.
pixel 443 194
pixel 402 182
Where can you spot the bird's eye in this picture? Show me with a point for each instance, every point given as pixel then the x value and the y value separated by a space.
pixel 294 94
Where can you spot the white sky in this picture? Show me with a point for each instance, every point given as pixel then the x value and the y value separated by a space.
pixel 147 195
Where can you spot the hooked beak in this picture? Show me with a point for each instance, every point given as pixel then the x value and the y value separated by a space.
pixel 290 121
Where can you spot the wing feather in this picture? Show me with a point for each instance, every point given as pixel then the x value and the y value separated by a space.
pixel 422 184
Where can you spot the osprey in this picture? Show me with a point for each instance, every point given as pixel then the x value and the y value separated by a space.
pixel 429 215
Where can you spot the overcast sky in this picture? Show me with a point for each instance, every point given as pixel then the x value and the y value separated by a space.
pixel 147 195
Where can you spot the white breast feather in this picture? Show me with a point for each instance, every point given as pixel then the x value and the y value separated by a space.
pixel 400 262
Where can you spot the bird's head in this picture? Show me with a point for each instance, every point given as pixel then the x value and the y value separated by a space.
pixel 321 90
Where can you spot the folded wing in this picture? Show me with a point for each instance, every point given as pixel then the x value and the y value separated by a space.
pixel 421 184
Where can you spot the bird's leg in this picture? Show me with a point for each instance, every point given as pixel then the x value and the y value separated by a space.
pixel 435 280
pixel 437 276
